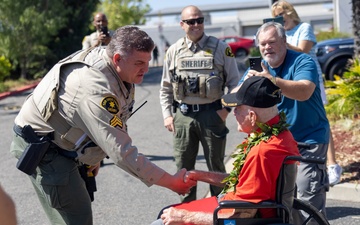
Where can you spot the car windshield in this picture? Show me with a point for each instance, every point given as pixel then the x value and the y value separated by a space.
pixel 229 40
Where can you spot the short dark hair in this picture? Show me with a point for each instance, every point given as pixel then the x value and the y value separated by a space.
pixel 127 39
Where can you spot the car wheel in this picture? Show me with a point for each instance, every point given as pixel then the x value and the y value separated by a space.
pixel 241 53
pixel 338 68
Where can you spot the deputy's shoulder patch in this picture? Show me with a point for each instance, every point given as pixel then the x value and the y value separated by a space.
pixel 228 52
pixel 208 51
pixel 110 104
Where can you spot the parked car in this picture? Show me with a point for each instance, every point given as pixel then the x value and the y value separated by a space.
pixel 333 56
pixel 239 46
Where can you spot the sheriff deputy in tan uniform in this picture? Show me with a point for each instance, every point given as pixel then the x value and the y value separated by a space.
pixel 98 37
pixel 82 106
pixel 197 69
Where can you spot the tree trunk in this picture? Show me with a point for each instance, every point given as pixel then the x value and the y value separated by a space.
pixel 356 26
pixel 23 69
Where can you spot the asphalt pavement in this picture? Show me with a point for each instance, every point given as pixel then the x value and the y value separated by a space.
pixel 122 199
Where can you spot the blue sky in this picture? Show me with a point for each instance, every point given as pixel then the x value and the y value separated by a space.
pixel 160 4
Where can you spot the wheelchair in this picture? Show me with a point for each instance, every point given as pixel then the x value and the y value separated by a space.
pixel 284 203
pixel 285 200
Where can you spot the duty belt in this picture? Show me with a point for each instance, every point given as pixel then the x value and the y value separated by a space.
pixel 187 108
pixel 68 154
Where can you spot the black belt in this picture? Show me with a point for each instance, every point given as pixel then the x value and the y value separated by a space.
pixel 28 137
pixel 69 154
pixel 186 108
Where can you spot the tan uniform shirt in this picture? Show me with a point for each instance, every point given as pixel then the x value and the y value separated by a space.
pixel 222 57
pixel 92 40
pixel 93 99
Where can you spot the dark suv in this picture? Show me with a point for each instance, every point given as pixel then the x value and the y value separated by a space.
pixel 333 56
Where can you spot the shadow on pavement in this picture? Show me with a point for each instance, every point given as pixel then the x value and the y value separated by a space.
pixel 153 76
pixel 333 213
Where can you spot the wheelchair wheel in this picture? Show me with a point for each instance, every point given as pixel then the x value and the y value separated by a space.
pixel 313 213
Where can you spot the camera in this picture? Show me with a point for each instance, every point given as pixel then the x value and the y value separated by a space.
pixel 105 31
pixel 278 19
pixel 255 63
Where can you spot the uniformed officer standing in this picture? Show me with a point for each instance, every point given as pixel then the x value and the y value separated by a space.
pixel 98 37
pixel 82 106
pixel 197 68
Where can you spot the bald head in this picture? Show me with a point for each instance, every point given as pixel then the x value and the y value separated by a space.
pixel 192 22
pixel 190 12
pixel 100 20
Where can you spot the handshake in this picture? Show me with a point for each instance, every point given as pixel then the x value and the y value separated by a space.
pixel 187 179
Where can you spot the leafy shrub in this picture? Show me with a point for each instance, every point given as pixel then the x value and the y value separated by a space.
pixel 254 51
pixel 325 35
pixel 344 94
pixel 5 67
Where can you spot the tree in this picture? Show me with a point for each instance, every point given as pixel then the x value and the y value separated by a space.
pixel 124 12
pixel 356 26
pixel 27 27
pixel 38 32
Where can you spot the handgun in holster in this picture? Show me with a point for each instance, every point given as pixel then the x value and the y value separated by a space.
pixel 34 152
pixel 174 106
pixel 89 180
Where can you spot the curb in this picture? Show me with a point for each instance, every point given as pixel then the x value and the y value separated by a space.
pixel 344 192
pixel 18 91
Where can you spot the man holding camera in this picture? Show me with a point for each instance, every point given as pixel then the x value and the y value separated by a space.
pixel 101 36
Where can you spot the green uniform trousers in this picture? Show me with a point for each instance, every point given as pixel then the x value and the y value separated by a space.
pixel 210 130
pixel 59 187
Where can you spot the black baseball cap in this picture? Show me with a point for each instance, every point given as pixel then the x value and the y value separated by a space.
pixel 255 91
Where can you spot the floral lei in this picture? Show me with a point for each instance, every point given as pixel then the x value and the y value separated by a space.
pixel 244 148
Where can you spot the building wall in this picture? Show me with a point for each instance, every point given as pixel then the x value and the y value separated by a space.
pixel 245 21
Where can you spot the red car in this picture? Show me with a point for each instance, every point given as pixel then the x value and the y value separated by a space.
pixel 239 46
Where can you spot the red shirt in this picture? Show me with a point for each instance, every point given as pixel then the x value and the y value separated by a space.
pixel 257 179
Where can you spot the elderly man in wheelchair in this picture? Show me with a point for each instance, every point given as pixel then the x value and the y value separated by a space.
pixel 257 163
pixel 261 187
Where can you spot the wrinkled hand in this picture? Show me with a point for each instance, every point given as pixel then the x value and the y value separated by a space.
pixel 172 216
pixel 182 185
pixel 169 124
pixel 190 176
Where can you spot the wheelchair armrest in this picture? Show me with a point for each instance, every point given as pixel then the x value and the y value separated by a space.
pixel 237 204
pixel 247 205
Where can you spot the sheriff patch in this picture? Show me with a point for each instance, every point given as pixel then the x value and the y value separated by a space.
pixel 228 52
pixel 195 63
pixel 110 104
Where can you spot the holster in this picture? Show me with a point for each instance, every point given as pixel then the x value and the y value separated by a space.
pixel 34 152
pixel 89 180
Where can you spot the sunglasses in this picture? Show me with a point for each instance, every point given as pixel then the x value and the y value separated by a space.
pixel 199 20
pixel 280 14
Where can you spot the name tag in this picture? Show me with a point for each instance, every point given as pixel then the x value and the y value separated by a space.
pixel 195 63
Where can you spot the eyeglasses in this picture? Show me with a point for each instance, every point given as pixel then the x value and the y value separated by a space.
pixel 280 14
pixel 199 20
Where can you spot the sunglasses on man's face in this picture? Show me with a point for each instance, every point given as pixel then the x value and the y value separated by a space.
pixel 199 20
